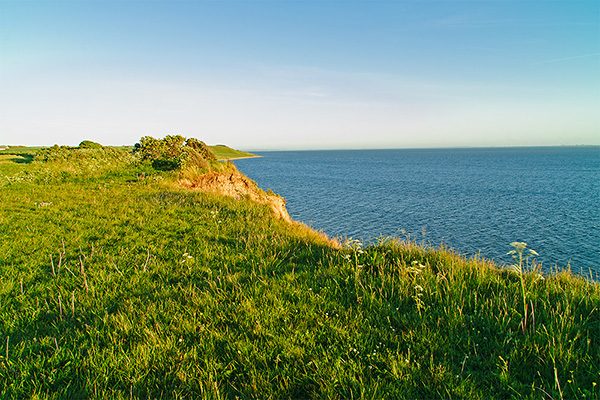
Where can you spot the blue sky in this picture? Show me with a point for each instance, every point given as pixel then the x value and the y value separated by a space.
pixel 301 74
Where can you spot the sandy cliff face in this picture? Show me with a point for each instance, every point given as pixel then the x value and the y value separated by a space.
pixel 235 184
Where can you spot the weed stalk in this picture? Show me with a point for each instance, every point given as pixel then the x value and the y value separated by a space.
pixel 87 289
pixel 147 259
pixel 519 268
pixel 60 306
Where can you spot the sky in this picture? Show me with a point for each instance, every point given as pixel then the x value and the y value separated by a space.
pixel 287 75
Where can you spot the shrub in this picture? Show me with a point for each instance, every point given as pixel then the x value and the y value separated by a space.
pixel 201 147
pixel 149 148
pixel 165 165
pixel 191 157
pixel 54 153
pixel 88 144
pixel 173 146
pixel 84 159
pixel 174 152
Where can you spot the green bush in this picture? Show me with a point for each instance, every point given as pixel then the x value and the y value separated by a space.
pixel 165 165
pixel 54 153
pixel 83 161
pixel 88 144
pixel 202 148
pixel 191 157
pixel 174 152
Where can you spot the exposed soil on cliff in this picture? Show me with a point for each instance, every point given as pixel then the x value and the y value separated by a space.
pixel 235 184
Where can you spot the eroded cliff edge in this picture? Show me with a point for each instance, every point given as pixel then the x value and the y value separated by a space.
pixel 234 184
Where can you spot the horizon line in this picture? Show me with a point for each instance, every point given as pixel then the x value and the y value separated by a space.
pixel 342 148
pixel 419 148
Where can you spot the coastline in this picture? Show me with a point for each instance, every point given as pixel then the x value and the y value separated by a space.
pixel 237 158
pixel 211 288
pixel 374 178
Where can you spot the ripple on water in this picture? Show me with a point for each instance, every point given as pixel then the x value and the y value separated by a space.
pixel 473 200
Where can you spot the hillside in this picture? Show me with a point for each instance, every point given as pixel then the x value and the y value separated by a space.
pixel 120 280
pixel 224 152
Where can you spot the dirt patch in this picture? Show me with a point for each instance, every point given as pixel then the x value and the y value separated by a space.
pixel 235 184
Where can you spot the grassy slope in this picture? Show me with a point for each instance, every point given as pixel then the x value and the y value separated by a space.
pixel 117 284
pixel 224 152
pixel 221 151
pixel 16 155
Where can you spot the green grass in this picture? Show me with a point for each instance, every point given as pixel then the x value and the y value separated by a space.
pixel 224 152
pixel 115 283
pixel 18 155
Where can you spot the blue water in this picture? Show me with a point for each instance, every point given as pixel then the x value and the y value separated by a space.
pixel 476 201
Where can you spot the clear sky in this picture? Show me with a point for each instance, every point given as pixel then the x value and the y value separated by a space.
pixel 301 74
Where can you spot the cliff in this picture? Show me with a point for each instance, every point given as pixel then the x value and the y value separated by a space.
pixel 234 184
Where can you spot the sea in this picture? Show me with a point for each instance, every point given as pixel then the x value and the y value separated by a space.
pixel 475 201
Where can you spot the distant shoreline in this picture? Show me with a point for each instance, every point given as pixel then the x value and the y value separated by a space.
pixel 238 158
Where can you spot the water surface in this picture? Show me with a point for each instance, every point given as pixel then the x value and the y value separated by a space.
pixel 472 200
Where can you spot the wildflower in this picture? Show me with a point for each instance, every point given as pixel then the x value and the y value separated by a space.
pixel 518 245
pixel 185 257
pixel 539 277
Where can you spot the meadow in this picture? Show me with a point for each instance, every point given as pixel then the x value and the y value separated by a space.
pixel 117 282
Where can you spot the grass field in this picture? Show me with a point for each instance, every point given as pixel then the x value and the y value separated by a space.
pixel 117 283
pixel 225 152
